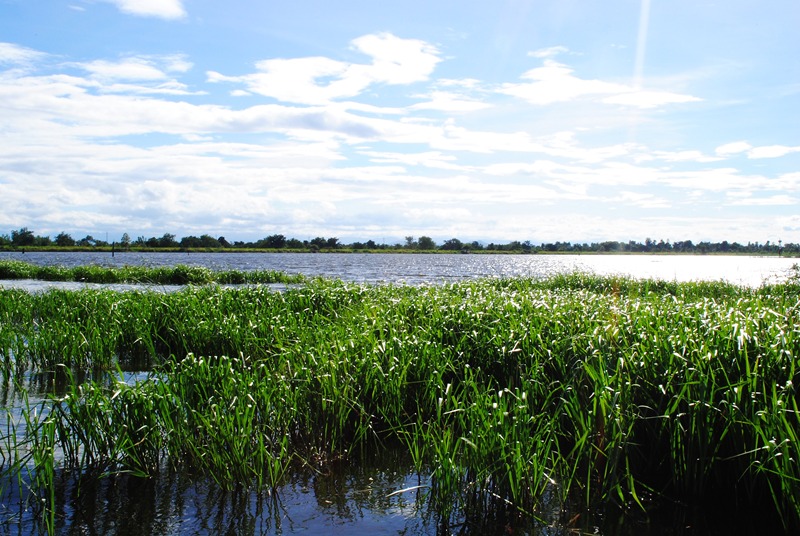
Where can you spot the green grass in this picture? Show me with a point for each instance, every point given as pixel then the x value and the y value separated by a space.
pixel 601 392
pixel 173 275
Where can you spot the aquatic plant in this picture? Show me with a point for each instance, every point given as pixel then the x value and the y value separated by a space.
pixel 591 391
pixel 163 275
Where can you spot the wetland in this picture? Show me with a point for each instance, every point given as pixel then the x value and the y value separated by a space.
pixel 526 403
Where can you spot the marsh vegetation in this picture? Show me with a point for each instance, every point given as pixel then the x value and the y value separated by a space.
pixel 180 274
pixel 604 396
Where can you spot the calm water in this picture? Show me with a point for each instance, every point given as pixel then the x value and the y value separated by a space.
pixel 353 499
pixel 432 268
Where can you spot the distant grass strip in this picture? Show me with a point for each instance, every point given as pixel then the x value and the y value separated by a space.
pixel 174 275
pixel 592 391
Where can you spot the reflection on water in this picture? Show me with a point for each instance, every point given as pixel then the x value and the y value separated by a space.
pixel 355 498
pixel 432 268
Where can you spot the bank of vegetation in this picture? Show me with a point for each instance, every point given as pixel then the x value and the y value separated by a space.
pixel 160 275
pixel 596 394
pixel 22 239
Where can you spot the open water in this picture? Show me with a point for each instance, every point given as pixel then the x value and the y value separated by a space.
pixel 433 268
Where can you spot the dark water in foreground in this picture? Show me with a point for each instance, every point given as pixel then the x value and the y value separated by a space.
pixel 364 496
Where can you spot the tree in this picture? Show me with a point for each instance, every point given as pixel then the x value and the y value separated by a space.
pixel 426 243
pixel 276 241
pixel 167 241
pixel 22 237
pixel 208 241
pixel 411 243
pixel 88 240
pixel 125 240
pixel 454 244
pixel 64 240
pixel 190 242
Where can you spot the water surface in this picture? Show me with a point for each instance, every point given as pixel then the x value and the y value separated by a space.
pixel 433 268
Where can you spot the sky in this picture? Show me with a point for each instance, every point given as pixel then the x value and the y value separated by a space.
pixel 540 120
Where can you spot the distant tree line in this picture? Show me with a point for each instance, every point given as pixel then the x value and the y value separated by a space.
pixel 24 237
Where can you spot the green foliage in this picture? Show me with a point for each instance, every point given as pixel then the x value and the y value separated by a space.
pixel 174 275
pixel 596 391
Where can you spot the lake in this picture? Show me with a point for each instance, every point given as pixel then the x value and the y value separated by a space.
pixel 432 268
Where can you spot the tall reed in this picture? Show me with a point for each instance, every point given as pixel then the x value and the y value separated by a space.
pixel 590 391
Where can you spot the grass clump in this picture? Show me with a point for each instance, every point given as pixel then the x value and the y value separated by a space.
pixel 171 275
pixel 602 393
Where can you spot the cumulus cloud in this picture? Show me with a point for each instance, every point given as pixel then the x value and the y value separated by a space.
pixel 130 69
pixel 555 82
pixel 449 102
pixel 732 148
pixel 138 75
pixel 319 80
pixel 13 54
pixel 771 151
pixel 163 9
pixel 766 151
pixel 649 99
pixel 396 60
pixel 142 68
pixel 548 52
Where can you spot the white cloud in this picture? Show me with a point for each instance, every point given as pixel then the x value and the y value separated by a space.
pixel 715 180
pixel 163 9
pixel 681 156
pixel 548 52
pixel 137 75
pixel 643 200
pixel 775 200
pixel 449 102
pixel 768 151
pixel 732 148
pixel 129 69
pixel 396 60
pixel 772 151
pixel 787 181
pixel 319 80
pixel 141 68
pixel 430 159
pixel 575 178
pixel 649 99
pixel 554 82
pixel 467 83
pixel 18 55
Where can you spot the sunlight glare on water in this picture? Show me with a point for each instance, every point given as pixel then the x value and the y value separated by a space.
pixel 434 268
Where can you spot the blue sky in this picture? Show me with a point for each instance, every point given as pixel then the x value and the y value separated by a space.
pixel 571 120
